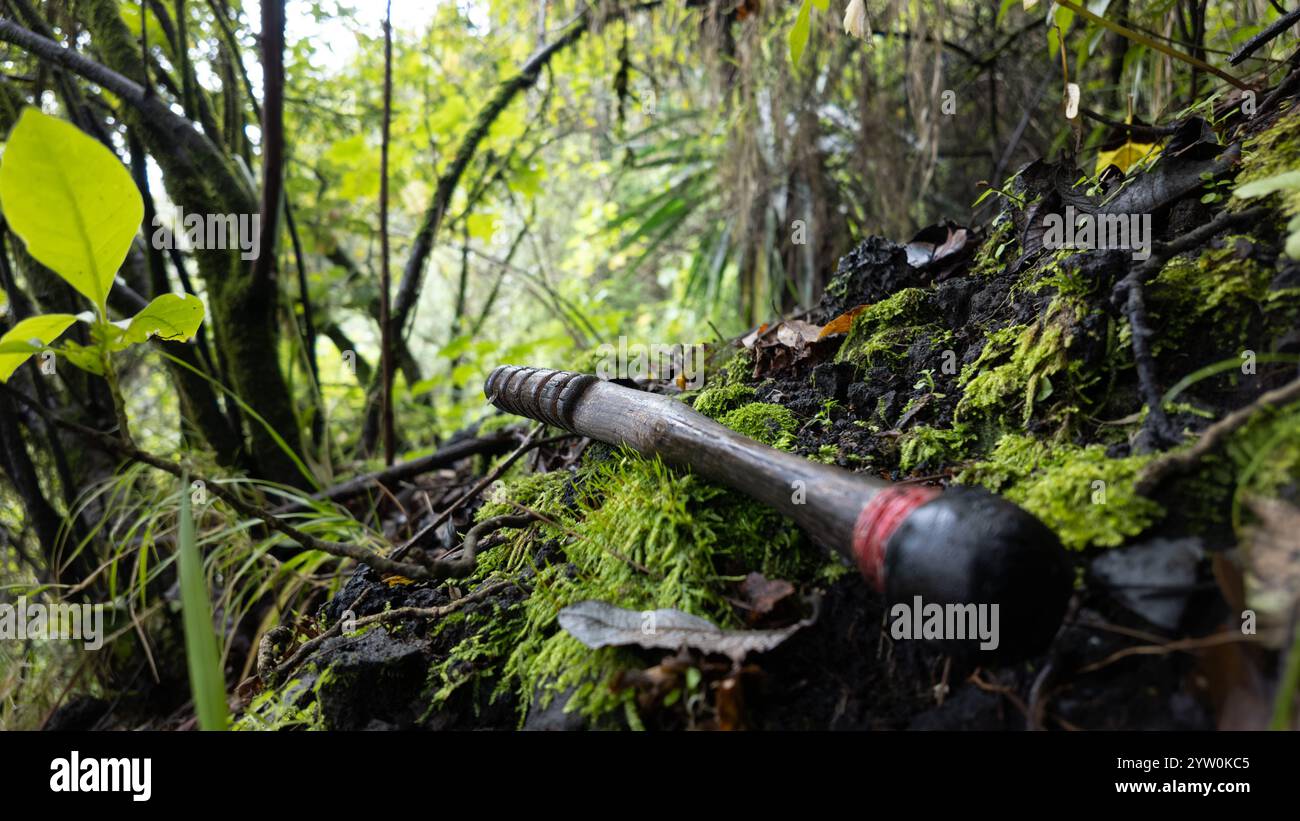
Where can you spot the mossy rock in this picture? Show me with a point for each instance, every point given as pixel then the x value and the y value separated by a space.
pixel 882 333
pixel 1087 497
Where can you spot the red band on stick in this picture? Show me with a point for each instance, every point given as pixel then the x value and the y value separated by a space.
pixel 878 520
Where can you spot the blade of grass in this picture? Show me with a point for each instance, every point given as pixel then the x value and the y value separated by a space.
pixel 1221 367
pixel 275 436
pixel 207 684
pixel 1290 683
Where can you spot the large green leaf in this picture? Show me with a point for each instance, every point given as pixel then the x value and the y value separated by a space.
pixel 174 317
pixel 798 36
pixel 27 337
pixel 71 200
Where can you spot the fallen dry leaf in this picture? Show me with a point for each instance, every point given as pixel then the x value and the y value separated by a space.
pixel 842 323
pixel 600 624
pixel 763 594
pixel 1129 154
pixel 940 250
pixel 796 333
pixel 752 337
pixel 787 343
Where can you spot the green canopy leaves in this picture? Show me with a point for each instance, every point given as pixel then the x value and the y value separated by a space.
pixel 71 201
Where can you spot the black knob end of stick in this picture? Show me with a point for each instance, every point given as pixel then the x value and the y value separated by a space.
pixel 970 547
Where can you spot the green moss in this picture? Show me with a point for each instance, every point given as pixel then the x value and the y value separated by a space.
pixel 1267 452
pixel 646 537
pixel 925 445
pixel 542 492
pixel 1059 273
pixel 834 570
pixel 1029 355
pixel 633 533
pixel 1079 492
pixel 770 424
pixel 293 705
pixel 826 454
pixel 717 400
pixel 881 333
pixel 1260 459
pixel 1214 286
pixel 548 494
pixel 738 368
pixel 476 660
pixel 998 249
pixel 1276 150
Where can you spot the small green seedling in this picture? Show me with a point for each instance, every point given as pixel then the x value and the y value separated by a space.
pixel 77 209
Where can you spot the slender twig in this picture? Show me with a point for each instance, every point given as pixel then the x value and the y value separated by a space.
pixel 232 45
pixel 1183 461
pixel 528 444
pixel 114 445
pixel 435 612
pixel 1157 431
pixel 385 277
pixel 1142 39
pixel 190 94
pixel 1180 645
pixel 1003 690
pixel 1030 109
pixel 304 298
pixel 388 615
pixel 444 457
pixel 1267 35
pixel 1284 88
pixel 272 40
pixel 144 46
pixel 1141 132
pixel 274 636
pixel 466 560
pixel 486 310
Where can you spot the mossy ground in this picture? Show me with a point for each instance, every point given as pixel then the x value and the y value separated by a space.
pixel 1016 375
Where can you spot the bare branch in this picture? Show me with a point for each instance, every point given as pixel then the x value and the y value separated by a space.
pixel 272 135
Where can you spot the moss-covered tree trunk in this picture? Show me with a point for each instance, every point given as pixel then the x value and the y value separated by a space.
pixel 243 312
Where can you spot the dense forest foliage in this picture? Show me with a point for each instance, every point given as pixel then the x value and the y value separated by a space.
pixel 257 259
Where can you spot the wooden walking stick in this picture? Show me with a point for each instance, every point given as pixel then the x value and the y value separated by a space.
pixel 961 546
